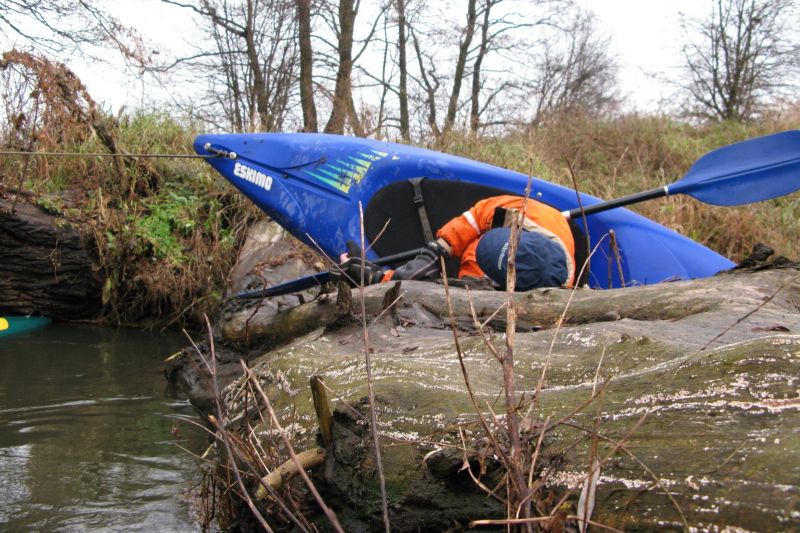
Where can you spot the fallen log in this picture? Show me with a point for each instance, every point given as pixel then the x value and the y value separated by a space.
pixel 47 266
pixel 424 304
pixel 701 373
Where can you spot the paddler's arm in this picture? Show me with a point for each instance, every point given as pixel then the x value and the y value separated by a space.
pixel 474 222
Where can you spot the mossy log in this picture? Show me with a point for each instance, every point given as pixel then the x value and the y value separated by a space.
pixel 47 266
pixel 425 305
pixel 710 364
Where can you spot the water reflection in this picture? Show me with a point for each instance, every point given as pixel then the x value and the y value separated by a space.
pixel 85 433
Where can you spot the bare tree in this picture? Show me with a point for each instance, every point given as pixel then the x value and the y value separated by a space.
pixel 395 70
pixel 402 43
pixel 533 61
pixel 468 33
pixel 474 114
pixel 340 56
pixel 375 121
pixel 495 38
pixel 61 27
pixel 343 26
pixel 306 66
pixel 250 59
pixel 742 58
pixel 578 74
pixel 429 82
pixel 343 105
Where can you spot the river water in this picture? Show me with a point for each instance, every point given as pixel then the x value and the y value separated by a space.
pixel 89 439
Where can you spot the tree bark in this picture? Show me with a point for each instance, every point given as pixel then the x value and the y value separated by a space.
pixel 402 40
pixel 306 66
pixel 47 266
pixel 682 394
pixel 259 84
pixel 430 84
pixel 343 92
pixel 461 62
pixel 475 109
pixel 424 304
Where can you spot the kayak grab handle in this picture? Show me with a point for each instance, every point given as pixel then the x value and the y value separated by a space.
pixel 219 152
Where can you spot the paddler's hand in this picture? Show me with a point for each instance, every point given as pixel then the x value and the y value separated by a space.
pixel 426 264
pixel 352 267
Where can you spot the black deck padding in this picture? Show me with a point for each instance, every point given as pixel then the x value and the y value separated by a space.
pixel 393 208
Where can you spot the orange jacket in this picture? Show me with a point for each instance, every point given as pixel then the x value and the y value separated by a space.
pixel 462 233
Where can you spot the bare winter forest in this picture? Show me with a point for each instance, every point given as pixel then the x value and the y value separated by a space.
pixel 411 69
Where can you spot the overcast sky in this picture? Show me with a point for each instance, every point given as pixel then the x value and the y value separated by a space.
pixel 646 38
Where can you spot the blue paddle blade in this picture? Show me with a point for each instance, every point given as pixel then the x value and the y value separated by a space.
pixel 750 171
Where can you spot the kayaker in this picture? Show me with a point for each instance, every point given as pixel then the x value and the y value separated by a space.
pixel 480 238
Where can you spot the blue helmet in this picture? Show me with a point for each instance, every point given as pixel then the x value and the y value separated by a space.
pixel 540 262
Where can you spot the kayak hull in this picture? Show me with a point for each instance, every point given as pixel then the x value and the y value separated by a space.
pixel 316 186
pixel 18 325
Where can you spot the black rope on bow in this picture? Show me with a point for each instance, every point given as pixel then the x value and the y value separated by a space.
pixel 106 154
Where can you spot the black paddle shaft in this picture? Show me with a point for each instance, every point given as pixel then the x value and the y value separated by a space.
pixel 396 258
pixel 318 279
pixel 619 202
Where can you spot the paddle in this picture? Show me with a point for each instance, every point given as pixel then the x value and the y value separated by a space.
pixel 741 173
pixel 312 280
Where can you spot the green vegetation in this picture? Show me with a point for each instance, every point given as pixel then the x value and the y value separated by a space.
pixel 167 230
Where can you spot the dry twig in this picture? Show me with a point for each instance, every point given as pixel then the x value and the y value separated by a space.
pixel 370 391
pixel 287 442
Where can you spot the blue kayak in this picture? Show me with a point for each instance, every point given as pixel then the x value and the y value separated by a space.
pixel 17 325
pixel 316 185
